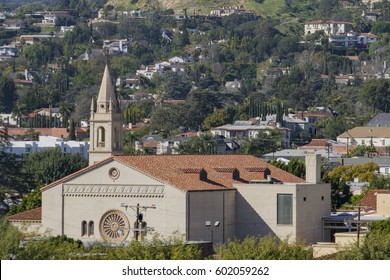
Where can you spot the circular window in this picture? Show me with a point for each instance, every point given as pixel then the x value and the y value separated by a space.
pixel 114 226
pixel 114 173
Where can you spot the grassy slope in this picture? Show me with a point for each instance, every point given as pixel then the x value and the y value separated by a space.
pixel 267 8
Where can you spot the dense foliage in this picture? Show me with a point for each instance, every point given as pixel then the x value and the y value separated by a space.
pixel 376 244
pixel 263 248
pixel 51 164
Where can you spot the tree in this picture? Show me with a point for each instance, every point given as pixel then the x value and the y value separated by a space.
pixel 173 85
pixel 49 165
pixel 30 201
pixel 8 95
pixel 12 176
pixel 51 248
pixel 167 118
pixel 376 244
pixel 339 176
pixel 362 150
pixel 66 109
pixel 261 144
pixel 294 166
pixel 263 248
pixel 72 130
pixel 203 144
pixel 200 104
pixel 10 239
pixel 217 118
pixel 376 94
pixel 172 248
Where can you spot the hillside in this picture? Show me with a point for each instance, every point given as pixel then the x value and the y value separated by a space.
pixel 267 8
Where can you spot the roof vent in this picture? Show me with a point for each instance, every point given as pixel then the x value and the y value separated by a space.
pixel 198 173
pixel 228 172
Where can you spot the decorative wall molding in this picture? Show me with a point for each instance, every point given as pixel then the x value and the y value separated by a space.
pixel 146 191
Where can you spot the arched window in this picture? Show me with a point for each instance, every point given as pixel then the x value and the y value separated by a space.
pixel 101 137
pixel 83 228
pixel 91 228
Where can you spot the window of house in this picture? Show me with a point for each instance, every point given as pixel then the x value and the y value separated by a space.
pixel 83 228
pixel 91 228
pixel 386 170
pixel 363 142
pixel 284 209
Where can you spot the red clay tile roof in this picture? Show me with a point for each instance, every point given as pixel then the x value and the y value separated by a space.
pixel 318 143
pixel 56 132
pixel 188 172
pixel 30 215
pixel 169 169
pixel 151 144
pixel 370 198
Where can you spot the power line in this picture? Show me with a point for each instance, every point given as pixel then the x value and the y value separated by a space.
pixel 139 225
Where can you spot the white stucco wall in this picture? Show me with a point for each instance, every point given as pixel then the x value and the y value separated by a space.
pixel 312 203
pixel 256 210
pixel 90 196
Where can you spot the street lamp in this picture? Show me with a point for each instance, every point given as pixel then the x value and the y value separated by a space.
pixel 211 228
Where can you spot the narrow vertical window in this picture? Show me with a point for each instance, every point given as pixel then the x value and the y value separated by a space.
pixel 91 229
pixel 284 209
pixel 83 228
pixel 101 137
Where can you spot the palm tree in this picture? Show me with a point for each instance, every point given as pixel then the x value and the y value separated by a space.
pixel 66 109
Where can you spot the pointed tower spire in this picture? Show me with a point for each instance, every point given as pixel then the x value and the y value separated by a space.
pixel 106 91
pixel 106 136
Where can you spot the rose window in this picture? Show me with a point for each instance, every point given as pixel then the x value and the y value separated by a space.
pixel 114 226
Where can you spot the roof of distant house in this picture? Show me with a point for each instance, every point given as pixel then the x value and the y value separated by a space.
pixel 328 22
pixel 370 198
pixel 30 215
pixel 366 132
pixel 380 120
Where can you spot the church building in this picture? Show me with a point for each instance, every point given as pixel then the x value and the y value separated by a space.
pixel 119 198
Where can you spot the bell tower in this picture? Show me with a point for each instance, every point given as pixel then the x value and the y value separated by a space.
pixel 106 137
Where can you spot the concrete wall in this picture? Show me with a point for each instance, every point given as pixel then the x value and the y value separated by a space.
pixel 256 210
pixel 312 203
pixel 211 206
pixel 31 229
pixel 52 202
pixel 383 203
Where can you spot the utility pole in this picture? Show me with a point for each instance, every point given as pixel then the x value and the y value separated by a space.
pixel 139 217
pixel 359 222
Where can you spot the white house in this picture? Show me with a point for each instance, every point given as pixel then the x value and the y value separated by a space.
pixel 366 135
pixel 329 27
pixel 8 50
pixel 244 130
pixel 117 46
pixel 23 148
pixel 176 59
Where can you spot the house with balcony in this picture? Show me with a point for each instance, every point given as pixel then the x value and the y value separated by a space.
pixel 244 130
